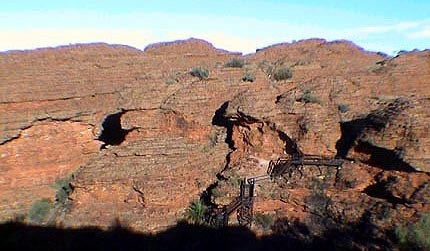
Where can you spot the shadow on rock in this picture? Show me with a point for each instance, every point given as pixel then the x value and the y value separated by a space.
pixel 183 236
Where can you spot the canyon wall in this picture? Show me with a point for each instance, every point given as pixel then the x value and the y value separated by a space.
pixel 139 138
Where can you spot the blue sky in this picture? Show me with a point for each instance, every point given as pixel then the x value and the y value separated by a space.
pixel 235 25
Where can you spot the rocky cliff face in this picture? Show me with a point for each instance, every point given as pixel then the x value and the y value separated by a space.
pixel 142 138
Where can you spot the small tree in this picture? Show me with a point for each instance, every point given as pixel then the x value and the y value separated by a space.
pixel 201 73
pixel 195 213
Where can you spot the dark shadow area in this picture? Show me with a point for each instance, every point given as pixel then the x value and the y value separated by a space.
pixel 379 190
pixel 383 158
pixel 206 195
pixel 17 236
pixel 220 120
pixel 350 131
pixel 327 234
pixel 376 120
pixel 112 133
pixel 291 147
pixel 286 236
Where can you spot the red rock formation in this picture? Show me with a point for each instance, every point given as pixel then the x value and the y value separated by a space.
pixel 143 137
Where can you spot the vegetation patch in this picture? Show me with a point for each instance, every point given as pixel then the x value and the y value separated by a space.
pixel 234 180
pixel 308 97
pixel 171 81
pixel 201 73
pixel 216 193
pixel 39 210
pixel 64 188
pixel 235 63
pixel 248 77
pixel 300 63
pixel 212 141
pixel 195 213
pixel 415 236
pixel 282 74
pixel 264 220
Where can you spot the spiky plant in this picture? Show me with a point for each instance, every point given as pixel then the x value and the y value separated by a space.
pixel 195 213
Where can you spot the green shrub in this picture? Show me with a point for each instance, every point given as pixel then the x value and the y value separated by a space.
pixel 216 193
pixel 266 66
pixel 201 73
pixel 64 188
pixel 234 180
pixel 39 210
pixel 235 63
pixel 171 81
pixel 282 74
pixel 264 220
pixel 248 77
pixel 309 98
pixel 415 237
pixel 195 213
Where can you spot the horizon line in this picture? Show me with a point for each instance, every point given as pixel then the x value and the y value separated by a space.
pixel 179 40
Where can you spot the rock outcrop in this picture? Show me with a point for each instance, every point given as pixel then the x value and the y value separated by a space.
pixel 141 138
